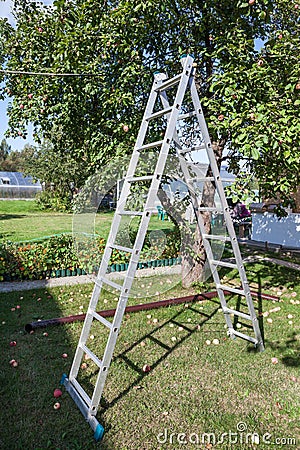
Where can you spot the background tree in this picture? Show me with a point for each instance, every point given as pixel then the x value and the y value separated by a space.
pixel 58 173
pixel 5 149
pixel 14 160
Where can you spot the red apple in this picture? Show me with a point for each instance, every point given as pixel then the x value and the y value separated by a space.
pixel 57 393
pixel 221 117
pixel 40 29
pixel 64 355
pixel 297 86
pixel 280 36
pixel 260 62
pixel 146 368
pixel 30 96
pixel 12 343
pixel 125 128
pixel 21 106
pixel 251 2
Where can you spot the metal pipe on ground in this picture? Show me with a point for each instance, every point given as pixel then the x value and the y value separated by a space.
pixel 29 327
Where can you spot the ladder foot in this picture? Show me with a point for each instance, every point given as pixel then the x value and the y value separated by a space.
pixel 63 378
pixel 99 432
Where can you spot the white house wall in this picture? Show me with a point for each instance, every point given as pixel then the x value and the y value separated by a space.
pixel 267 227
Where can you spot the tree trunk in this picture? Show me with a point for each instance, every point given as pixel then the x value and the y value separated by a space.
pixel 192 250
pixel 194 264
pixel 296 197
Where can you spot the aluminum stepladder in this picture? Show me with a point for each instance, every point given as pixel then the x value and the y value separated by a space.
pixel 173 114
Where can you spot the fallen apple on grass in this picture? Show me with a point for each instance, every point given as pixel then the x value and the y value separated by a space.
pixel 13 363
pixel 57 393
pixel 56 405
pixel 146 368
pixel 12 343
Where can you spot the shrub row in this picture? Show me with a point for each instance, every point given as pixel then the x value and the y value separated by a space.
pixel 65 255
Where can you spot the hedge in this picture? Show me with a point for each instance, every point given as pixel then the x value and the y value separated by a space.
pixel 64 255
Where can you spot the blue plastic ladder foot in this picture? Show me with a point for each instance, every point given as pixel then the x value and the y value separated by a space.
pixel 99 432
pixel 63 378
pixel 92 421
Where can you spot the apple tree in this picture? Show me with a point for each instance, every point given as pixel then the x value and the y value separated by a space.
pixel 90 64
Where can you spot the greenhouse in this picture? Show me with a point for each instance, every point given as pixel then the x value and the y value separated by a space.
pixel 15 186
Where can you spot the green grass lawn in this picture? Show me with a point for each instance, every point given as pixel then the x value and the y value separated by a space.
pixel 20 220
pixel 193 387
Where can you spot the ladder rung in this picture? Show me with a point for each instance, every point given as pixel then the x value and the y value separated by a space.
pixel 101 319
pixel 231 289
pixel 157 114
pixel 223 264
pixel 92 355
pixel 134 179
pixel 200 179
pixel 186 115
pixel 168 83
pixel 244 336
pixel 121 248
pixel 237 313
pixel 130 213
pixel 110 283
pixel 209 209
pixel 150 145
pixel 79 389
pixel 217 237
pixel 193 149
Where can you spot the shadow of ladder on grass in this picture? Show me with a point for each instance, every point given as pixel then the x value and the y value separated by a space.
pixel 174 117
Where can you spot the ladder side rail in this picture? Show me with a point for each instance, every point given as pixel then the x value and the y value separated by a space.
pixel 206 243
pixel 198 216
pixel 227 216
pixel 157 176
pixel 112 235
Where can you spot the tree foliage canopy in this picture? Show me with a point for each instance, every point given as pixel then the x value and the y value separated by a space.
pixel 251 97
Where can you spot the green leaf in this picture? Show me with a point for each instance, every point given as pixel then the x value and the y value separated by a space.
pixel 255 153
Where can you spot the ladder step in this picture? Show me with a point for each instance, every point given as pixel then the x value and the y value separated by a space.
pixel 193 149
pixel 209 209
pixel 150 145
pixel 230 289
pixel 130 213
pixel 135 179
pixel 121 248
pixel 215 262
pixel 244 336
pixel 158 114
pixel 200 179
pixel 168 83
pixel 92 355
pixel 109 282
pixel 237 313
pixel 101 319
pixel 217 237
pixel 187 115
